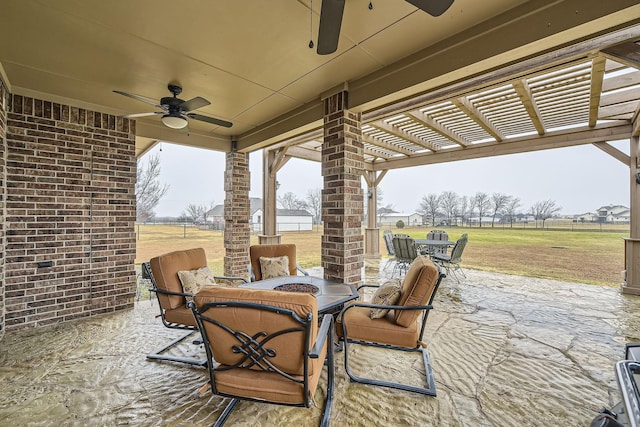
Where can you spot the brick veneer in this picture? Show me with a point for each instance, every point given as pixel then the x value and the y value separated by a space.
pixel 237 212
pixel 70 202
pixel 342 197
pixel 4 103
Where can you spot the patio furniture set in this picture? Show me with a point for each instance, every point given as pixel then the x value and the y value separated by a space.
pixel 403 249
pixel 268 340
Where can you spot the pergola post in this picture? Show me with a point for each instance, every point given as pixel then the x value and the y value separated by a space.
pixel 269 233
pixel 631 284
pixel 237 212
pixel 4 101
pixel 372 232
pixel 342 203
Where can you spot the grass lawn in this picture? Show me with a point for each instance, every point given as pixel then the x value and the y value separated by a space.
pixel 579 256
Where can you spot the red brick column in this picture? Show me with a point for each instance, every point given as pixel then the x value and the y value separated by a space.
pixel 70 213
pixel 342 197
pixel 4 103
pixel 237 212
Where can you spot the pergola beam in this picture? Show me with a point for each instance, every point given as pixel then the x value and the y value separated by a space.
pixel 424 120
pixel 476 115
pixel 614 152
pixel 597 78
pixel 400 133
pixel 524 92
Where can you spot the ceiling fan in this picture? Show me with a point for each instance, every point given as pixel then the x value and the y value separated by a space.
pixel 175 112
pixel 331 19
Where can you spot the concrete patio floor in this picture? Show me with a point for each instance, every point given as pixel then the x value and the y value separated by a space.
pixel 506 351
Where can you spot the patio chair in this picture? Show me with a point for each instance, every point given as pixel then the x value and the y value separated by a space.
pixel 436 235
pixel 405 249
pixel 162 271
pixel 387 235
pixel 265 346
pixel 451 263
pixel 278 266
pixel 399 322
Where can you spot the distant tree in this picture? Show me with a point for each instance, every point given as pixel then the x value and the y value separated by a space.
pixel 498 203
pixel 430 207
pixel 511 209
pixel 463 210
pixel 291 201
pixel 314 203
pixel 483 203
pixel 449 203
pixel 148 188
pixel 195 212
pixel 544 210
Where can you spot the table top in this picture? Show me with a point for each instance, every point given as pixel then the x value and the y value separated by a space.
pixel 429 242
pixel 331 295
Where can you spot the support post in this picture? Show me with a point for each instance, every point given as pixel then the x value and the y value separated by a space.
pixel 631 274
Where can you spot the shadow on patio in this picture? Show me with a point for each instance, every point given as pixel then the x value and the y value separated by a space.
pixel 506 350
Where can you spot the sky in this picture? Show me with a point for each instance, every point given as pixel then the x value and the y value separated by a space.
pixel 579 179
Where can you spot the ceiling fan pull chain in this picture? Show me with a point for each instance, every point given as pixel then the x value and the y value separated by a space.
pixel 370 5
pixel 311 26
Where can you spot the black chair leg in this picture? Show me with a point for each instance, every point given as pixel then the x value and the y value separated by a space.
pixel 157 355
pixel 225 414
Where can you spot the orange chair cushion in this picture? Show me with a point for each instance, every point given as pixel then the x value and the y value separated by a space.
pixel 165 273
pixel 385 330
pixel 289 348
pixel 271 251
pixel 417 288
pixel 181 315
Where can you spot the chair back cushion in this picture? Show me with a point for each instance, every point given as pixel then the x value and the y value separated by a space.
pixel 165 273
pixel 288 349
pixel 271 251
pixel 456 252
pixel 405 248
pixel 417 289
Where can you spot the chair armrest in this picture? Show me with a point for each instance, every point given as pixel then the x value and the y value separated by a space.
pixel 302 270
pixel 162 291
pixel 252 276
pixel 326 330
pixel 367 286
pixel 390 307
pixel 243 279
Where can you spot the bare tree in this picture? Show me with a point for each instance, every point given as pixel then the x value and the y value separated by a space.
pixel 449 203
pixel 463 211
pixel 544 210
pixel 195 212
pixel 291 201
pixel 498 203
pixel 207 210
pixel 314 203
pixel 430 207
pixel 511 209
pixel 149 190
pixel 482 203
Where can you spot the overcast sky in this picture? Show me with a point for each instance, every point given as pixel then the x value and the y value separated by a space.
pixel 579 179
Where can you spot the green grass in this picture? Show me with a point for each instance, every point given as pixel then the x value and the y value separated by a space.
pixel 576 256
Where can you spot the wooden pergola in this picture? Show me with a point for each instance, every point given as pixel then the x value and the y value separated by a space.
pixel 586 93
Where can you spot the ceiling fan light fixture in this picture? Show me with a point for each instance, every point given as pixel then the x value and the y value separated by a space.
pixel 174 122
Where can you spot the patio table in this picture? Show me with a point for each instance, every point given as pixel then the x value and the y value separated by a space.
pixel 331 296
pixel 430 244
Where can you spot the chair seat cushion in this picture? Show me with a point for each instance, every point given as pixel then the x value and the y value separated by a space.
pixel 182 315
pixel 270 386
pixel 361 326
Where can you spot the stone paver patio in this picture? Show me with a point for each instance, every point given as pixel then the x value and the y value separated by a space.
pixel 506 351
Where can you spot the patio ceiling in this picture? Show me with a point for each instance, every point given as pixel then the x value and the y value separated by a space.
pixel 429 89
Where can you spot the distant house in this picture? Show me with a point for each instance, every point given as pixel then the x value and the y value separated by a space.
pixel 586 217
pixel 391 218
pixel 286 219
pixel 616 214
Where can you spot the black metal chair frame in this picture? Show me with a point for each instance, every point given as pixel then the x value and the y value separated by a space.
pixel 451 263
pixel 257 354
pixel 159 353
pixel 430 390
pixel 387 235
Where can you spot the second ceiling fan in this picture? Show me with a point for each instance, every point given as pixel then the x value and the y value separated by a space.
pixel 331 20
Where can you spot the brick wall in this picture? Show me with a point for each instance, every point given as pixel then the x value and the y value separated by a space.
pixel 70 212
pixel 237 212
pixel 342 197
pixel 4 103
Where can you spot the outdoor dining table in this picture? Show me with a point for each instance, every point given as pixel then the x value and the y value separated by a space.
pixel 432 244
pixel 331 296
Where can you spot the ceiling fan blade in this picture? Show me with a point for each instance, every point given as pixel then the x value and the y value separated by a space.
pixel 432 7
pixel 153 102
pixel 208 119
pixel 134 115
pixel 194 104
pixel 330 22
